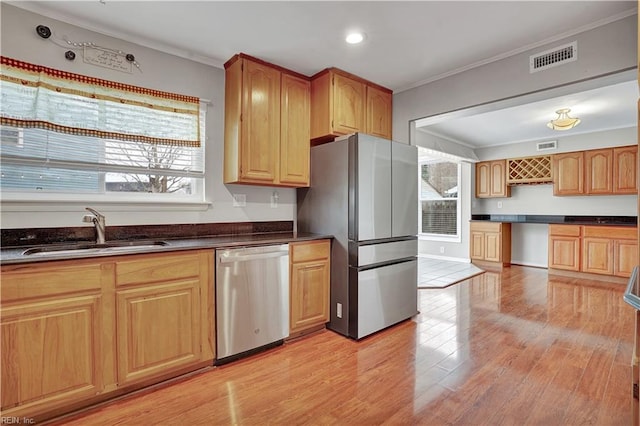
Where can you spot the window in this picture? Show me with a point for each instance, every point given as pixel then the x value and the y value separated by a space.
pixel 439 207
pixel 67 135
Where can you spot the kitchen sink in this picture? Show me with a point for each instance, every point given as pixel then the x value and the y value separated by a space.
pixel 93 248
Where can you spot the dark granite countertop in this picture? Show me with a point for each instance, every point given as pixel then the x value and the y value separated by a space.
pixel 177 237
pixel 14 255
pixel 557 219
pixel 632 294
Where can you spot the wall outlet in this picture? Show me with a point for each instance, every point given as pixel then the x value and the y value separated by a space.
pixel 339 310
pixel 499 204
pixel 274 199
pixel 239 200
pixel 441 249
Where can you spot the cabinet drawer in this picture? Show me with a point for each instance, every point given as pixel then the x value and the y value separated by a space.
pixel 146 269
pixel 566 230
pixel 51 279
pixel 312 250
pixel 486 226
pixel 625 233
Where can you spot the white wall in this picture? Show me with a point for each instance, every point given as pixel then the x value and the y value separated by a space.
pixel 160 71
pixel 607 49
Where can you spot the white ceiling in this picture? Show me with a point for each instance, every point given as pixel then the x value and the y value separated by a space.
pixel 407 43
pixel 604 108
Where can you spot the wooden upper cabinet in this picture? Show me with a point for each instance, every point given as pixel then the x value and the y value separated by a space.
pixel 599 171
pixel 568 173
pixel 378 112
pixel 483 179
pixel 625 167
pixel 254 117
pixel 348 104
pixel 499 186
pixel 295 118
pixel 491 179
pixel 342 103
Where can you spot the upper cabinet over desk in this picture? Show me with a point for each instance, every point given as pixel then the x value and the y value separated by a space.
pixel 607 171
pixel 342 103
pixel 491 179
pixel 266 124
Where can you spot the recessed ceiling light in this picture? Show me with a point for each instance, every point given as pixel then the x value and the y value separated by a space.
pixel 355 38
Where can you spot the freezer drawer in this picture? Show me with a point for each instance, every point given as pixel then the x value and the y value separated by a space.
pixel 386 296
pixel 383 252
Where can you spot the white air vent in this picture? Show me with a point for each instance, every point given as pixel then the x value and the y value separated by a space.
pixel 553 57
pixel 547 146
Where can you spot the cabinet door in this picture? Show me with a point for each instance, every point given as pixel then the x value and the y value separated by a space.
pixel 599 171
pixel 260 124
pixel 51 353
pixel 477 245
pixel 492 246
pixel 597 255
pixel 625 257
pixel 625 168
pixel 568 173
pixel 564 252
pixel 294 131
pixel 483 180
pixel 378 109
pixel 348 105
pixel 158 329
pixel 309 294
pixel 498 187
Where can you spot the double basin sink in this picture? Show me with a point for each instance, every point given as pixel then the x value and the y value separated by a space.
pixel 94 248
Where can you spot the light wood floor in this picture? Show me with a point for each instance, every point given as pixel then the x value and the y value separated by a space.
pixel 511 348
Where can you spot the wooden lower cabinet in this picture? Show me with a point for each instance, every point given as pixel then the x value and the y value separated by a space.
pixel 51 353
pixel 158 314
pixel 564 247
pixel 597 255
pixel 625 255
pixel 73 334
pixel 54 348
pixel 602 250
pixel 309 275
pixel 490 242
pixel 158 329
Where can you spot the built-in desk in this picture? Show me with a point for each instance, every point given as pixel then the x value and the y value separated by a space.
pixel 597 247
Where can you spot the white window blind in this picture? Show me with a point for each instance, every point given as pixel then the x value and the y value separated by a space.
pixel 63 132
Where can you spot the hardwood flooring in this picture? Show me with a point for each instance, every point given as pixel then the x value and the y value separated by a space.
pixel 509 348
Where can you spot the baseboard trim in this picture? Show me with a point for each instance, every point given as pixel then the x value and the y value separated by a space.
pixel 452 259
pixel 523 263
pixel 588 276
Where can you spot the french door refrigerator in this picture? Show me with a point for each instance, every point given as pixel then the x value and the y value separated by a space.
pixel 364 192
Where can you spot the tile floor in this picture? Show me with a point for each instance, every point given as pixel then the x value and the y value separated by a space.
pixel 437 273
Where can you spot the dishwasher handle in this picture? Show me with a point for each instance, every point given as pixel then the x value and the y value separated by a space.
pixel 240 255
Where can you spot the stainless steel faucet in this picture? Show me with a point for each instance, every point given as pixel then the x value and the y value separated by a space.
pixel 99 221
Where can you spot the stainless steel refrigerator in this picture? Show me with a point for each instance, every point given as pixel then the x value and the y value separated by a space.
pixel 364 191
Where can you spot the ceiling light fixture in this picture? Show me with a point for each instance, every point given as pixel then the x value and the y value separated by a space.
pixel 563 122
pixel 355 38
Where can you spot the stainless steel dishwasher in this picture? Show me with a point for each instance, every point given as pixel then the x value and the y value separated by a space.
pixel 252 299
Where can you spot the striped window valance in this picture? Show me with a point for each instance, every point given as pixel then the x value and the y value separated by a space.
pixel 34 96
